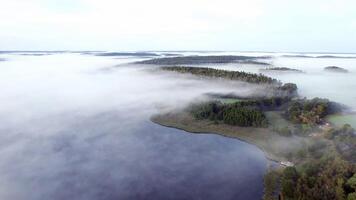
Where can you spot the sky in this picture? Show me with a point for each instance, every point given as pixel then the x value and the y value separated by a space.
pixel 141 25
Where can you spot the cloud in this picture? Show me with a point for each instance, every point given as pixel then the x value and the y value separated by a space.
pixel 184 24
pixel 120 20
pixel 109 17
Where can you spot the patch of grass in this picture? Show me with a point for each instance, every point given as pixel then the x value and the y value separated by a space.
pixel 340 120
pixel 276 119
pixel 228 100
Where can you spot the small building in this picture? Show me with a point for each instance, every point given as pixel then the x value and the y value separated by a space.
pixel 287 163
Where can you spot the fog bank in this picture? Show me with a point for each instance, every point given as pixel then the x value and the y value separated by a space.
pixel 75 126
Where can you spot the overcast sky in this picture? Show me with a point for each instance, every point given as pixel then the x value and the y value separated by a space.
pixel 132 25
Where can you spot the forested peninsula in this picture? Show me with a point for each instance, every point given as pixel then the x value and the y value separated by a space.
pixel 316 159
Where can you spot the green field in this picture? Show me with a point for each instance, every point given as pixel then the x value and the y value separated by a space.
pixel 228 100
pixel 339 120
pixel 276 120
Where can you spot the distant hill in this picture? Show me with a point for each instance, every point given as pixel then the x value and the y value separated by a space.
pixel 336 69
pixel 126 54
pixel 325 56
pixel 283 69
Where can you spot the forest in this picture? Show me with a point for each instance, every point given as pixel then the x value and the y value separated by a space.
pixel 311 111
pixel 320 179
pixel 231 75
pixel 326 170
pixel 278 88
pixel 344 139
pixel 240 114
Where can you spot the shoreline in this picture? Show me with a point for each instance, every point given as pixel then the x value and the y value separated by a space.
pixel 270 159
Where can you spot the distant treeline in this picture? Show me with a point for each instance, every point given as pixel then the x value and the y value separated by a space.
pixel 335 69
pixel 288 89
pixel 126 54
pixel 326 56
pixel 189 60
pixel 285 69
pixel 218 73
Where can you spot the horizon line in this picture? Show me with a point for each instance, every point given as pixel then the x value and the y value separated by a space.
pixel 242 51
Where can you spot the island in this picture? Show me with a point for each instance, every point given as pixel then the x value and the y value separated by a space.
pixel 330 56
pixel 282 69
pixel 297 56
pixel 325 56
pixel 310 158
pixel 336 69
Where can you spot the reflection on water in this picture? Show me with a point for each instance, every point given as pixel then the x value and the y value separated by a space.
pixel 97 158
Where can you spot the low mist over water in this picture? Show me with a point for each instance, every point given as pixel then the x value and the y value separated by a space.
pixel 76 126
pixel 315 81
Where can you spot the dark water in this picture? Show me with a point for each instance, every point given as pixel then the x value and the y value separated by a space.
pixel 181 165
pixel 97 159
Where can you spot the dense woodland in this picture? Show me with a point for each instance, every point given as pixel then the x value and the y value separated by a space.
pixel 232 114
pixel 321 179
pixel 242 113
pixel 231 75
pixel 344 139
pixel 288 89
pixel 251 112
pixel 322 174
pixel 312 111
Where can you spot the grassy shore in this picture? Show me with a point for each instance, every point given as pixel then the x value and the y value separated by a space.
pixel 341 119
pixel 263 138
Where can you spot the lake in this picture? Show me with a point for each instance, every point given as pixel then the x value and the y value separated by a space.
pixel 76 126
